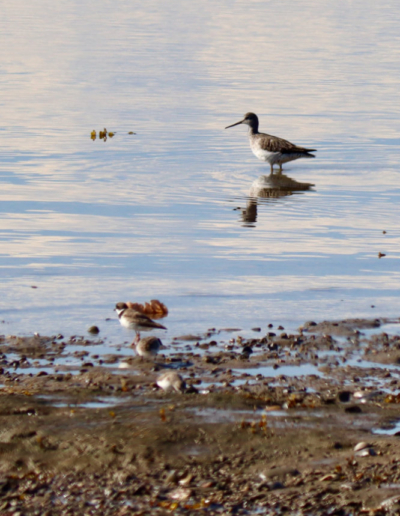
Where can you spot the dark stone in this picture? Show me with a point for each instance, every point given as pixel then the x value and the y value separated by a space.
pixel 353 409
pixel 344 396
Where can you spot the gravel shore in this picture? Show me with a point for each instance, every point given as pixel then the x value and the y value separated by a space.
pixel 300 424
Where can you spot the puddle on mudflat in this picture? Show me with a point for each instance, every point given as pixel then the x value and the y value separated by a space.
pixel 214 415
pixel 372 365
pixel 394 429
pixel 390 327
pixel 282 370
pixel 98 403
pixel 36 370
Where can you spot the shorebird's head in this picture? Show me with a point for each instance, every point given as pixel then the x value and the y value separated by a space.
pixel 249 119
pixel 120 307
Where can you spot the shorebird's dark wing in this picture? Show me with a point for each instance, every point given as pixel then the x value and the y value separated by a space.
pixel 146 322
pixel 275 144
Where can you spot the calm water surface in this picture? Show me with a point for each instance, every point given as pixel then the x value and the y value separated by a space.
pixel 154 215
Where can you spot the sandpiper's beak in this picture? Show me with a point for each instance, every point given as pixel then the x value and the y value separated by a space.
pixel 233 125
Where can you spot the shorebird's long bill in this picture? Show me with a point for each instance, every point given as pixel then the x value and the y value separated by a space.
pixel 233 125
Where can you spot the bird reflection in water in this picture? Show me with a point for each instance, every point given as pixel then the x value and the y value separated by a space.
pixel 269 187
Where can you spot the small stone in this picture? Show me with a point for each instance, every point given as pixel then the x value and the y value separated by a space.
pixel 276 485
pixel 207 484
pixel 361 446
pixel 368 452
pixel 328 477
pixel 94 330
pixel 353 409
pixel 180 494
pixel 344 396
pixel 172 477
pixel 349 486
pixel 186 481
pixel 256 329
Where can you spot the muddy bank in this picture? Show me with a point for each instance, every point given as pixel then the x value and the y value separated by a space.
pixel 301 423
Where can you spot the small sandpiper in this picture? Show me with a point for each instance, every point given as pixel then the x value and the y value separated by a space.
pixel 171 381
pixel 147 347
pixel 134 320
pixel 271 148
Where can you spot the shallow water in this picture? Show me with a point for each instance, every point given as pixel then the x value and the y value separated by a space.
pixel 153 215
pixel 392 430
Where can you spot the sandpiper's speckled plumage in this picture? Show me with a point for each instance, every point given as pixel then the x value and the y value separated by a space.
pixel 148 347
pixel 134 320
pixel 171 381
pixel 271 148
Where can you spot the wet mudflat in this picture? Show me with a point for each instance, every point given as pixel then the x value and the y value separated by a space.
pixel 301 423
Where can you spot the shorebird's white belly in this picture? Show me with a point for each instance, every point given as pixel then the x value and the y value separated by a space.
pixel 263 154
pixel 126 323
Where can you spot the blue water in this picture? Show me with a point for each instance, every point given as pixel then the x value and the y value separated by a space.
pixel 154 215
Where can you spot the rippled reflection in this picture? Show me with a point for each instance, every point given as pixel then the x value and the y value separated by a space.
pixel 270 187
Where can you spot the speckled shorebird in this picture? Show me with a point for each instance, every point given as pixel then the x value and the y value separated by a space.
pixel 134 320
pixel 147 347
pixel 271 148
pixel 171 381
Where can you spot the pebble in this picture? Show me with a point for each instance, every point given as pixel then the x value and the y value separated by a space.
pixel 276 485
pixel 361 446
pixel 186 481
pixel 344 396
pixel 368 452
pixel 328 477
pixel 181 494
pixel 349 486
pixel 172 477
pixel 207 484
pixel 353 409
